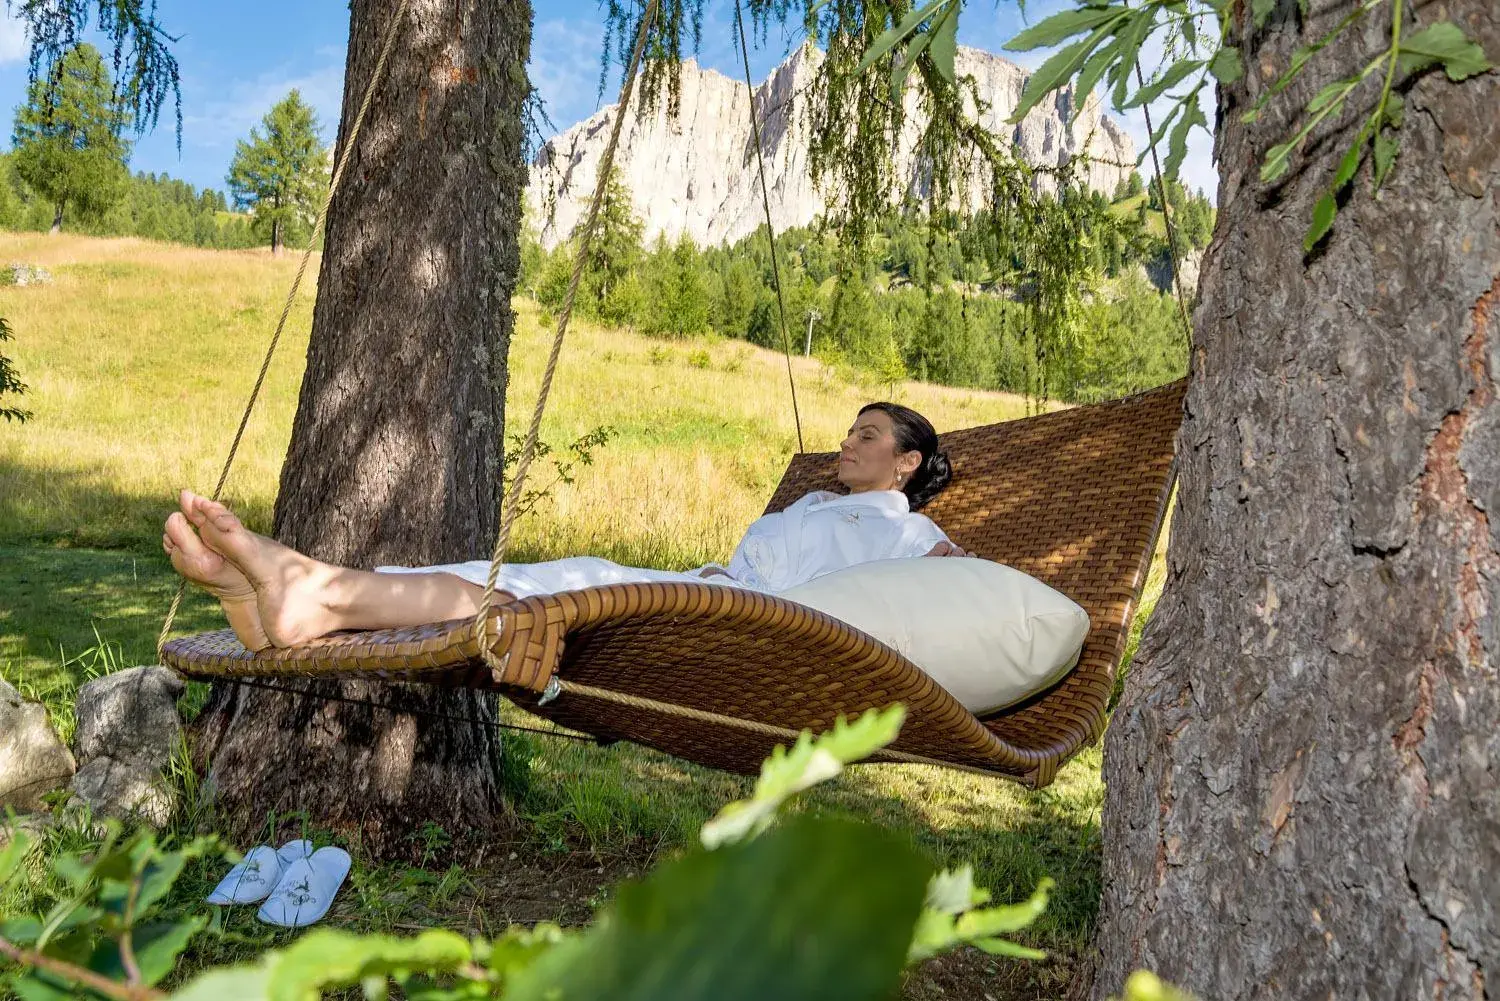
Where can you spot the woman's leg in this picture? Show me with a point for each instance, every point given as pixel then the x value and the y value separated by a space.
pixel 300 599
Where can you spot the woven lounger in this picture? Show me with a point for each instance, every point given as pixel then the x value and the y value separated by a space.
pixel 721 675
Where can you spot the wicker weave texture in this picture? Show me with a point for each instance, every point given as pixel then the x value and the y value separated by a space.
pixel 1074 498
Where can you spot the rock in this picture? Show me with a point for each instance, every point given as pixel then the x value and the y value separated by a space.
pixel 33 825
pixel 1159 270
pixel 33 761
pixel 697 174
pixel 128 730
pixel 24 274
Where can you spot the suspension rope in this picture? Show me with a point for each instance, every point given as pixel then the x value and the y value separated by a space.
pixel 1166 214
pixel 765 197
pixel 528 448
pixel 286 310
pixel 473 720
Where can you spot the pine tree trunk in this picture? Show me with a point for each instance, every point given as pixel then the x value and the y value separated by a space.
pixel 395 448
pixel 1303 779
pixel 275 237
pixel 57 214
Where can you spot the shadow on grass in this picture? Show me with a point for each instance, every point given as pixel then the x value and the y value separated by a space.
pixel 58 605
pixel 80 506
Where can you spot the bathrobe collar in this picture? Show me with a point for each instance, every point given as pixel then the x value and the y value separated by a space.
pixel 893 501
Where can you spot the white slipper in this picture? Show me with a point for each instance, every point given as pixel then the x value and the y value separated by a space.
pixel 258 873
pixel 307 889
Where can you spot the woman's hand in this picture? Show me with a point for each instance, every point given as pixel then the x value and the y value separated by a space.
pixel 947 549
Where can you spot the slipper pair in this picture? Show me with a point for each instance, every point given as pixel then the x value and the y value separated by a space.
pixel 296 883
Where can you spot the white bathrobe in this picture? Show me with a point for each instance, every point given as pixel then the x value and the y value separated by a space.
pixel 815 535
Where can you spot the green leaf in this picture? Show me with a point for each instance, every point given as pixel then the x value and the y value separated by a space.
pixel 1447 43
pixel 1333 91
pixel 1395 110
pixel 32 988
pixel 1350 163
pixel 1174 75
pixel 1386 149
pixel 1226 65
pixel 1322 220
pixel 888 38
pixel 13 854
pixel 1061 25
pixel 1089 75
pixel 952 891
pixel 157 881
pixel 786 773
pixel 241 983
pixel 1051 75
pixel 1000 947
pixel 1131 36
pixel 156 947
pixel 1260 10
pixel 944 33
pixel 1276 161
pixel 814 910
pixel 948 919
pixel 1177 144
pixel 329 958
pixel 21 931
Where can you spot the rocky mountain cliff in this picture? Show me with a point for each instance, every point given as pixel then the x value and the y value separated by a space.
pixel 696 174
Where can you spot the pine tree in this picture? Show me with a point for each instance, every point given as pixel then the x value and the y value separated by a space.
pixel 68 138
pixel 677 302
pixel 281 176
pixel 614 253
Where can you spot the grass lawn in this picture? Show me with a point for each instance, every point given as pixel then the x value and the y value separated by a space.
pixel 139 357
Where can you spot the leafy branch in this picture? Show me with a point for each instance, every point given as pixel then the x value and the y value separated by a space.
pixel 1102 41
pixel 579 452
pixel 734 921
pixel 10 383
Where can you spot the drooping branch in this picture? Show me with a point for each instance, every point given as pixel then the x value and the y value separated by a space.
pixel 144 68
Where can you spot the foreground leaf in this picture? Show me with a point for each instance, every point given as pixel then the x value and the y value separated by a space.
pixel 810 761
pixel 814 910
pixel 1444 42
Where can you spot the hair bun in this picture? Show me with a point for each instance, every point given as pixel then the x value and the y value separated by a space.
pixel 935 474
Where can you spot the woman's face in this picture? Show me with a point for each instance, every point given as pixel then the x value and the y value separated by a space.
pixel 868 458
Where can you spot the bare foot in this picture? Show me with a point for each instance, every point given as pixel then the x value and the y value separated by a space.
pixel 288 586
pixel 220 578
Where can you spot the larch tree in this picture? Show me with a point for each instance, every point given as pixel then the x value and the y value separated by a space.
pixel 282 175
pixel 69 136
pixel 395 449
pixel 1303 776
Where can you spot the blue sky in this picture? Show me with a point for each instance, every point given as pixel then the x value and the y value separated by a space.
pixel 237 59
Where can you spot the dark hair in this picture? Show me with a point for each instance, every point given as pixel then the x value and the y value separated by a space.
pixel 913 432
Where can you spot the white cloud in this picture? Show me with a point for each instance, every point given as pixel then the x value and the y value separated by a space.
pixel 221 121
pixel 564 68
pixel 13 43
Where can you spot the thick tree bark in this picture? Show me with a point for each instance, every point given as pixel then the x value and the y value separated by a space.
pixel 57 214
pixel 1303 779
pixel 275 237
pixel 395 449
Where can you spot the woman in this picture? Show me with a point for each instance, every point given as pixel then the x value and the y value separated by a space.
pixel 276 596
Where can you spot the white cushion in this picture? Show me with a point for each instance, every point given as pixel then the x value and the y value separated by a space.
pixel 988 633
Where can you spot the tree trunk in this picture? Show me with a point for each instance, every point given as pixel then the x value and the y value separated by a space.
pixel 395 449
pixel 276 237
pixel 1303 779
pixel 57 214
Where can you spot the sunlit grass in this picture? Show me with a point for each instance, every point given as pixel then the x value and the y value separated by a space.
pixel 139 357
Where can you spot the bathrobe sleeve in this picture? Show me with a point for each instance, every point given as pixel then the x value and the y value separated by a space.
pixel 768 555
pixel 919 534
